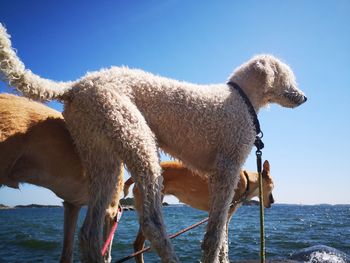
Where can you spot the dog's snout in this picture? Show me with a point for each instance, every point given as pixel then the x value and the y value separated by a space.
pixel 271 199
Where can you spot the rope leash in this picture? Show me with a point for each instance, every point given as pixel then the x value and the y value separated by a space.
pixel 171 237
pixel 259 145
pixel 114 228
pixel 235 203
pixel 240 200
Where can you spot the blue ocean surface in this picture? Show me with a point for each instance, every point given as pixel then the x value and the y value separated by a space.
pixel 35 234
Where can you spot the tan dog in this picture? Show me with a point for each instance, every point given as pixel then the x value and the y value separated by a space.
pixel 192 189
pixel 36 148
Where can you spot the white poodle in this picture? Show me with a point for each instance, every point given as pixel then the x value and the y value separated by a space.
pixel 121 114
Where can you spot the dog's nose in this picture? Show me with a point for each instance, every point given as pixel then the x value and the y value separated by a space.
pixel 305 98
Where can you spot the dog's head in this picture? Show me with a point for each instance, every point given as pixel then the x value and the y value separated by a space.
pixel 266 80
pixel 267 185
pixel 253 188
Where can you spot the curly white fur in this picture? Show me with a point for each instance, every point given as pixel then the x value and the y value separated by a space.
pixel 120 114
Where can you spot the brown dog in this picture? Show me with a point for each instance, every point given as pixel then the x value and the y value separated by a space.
pixel 192 189
pixel 36 148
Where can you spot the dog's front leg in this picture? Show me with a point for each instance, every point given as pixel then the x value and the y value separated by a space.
pixel 71 213
pixel 223 255
pixel 222 184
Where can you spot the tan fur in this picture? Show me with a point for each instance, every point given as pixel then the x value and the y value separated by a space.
pixel 193 189
pixel 123 115
pixel 36 148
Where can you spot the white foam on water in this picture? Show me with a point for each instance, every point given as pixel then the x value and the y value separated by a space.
pixel 318 257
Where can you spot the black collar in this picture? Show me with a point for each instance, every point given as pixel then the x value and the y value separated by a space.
pixel 249 105
pixel 245 194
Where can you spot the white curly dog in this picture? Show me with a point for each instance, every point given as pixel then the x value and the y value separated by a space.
pixel 122 114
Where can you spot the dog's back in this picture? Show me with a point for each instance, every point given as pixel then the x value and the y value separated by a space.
pixel 189 187
pixel 36 148
pixel 19 114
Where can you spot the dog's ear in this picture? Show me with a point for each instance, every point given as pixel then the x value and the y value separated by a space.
pixel 243 181
pixel 266 169
pixel 264 67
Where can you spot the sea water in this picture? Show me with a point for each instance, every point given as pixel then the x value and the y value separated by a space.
pixel 35 234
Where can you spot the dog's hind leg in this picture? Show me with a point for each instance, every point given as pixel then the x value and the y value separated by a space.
pixel 140 153
pixel 103 175
pixel 107 125
pixel 140 238
pixel 101 164
pixel 71 213
pixel 138 245
pixel 111 214
pixel 222 184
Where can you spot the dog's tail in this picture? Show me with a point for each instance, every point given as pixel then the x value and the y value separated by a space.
pixel 13 71
pixel 127 185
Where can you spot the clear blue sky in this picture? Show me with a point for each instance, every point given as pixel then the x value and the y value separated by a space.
pixel 202 42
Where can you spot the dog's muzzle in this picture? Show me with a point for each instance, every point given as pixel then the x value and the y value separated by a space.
pixel 295 98
pixel 271 201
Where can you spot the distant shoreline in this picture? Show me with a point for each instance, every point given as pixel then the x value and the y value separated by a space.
pixel 127 204
pixel 2 206
pixel 129 207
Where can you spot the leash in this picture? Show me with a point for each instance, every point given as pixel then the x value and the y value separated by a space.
pixel 171 237
pixel 114 228
pixel 259 146
pixel 234 203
